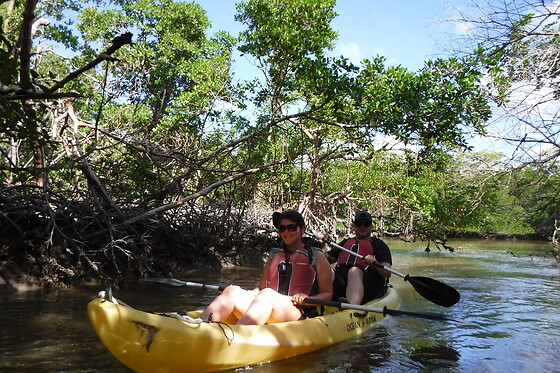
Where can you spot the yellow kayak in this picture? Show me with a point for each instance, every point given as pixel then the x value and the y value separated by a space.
pixel 150 342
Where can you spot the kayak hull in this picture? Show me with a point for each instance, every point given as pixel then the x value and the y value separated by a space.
pixel 149 342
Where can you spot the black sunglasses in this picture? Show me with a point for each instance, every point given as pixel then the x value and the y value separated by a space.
pixel 289 227
pixel 362 224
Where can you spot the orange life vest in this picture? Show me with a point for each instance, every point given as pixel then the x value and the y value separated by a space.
pixel 363 247
pixel 297 275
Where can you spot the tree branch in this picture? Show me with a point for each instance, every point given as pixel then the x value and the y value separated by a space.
pixel 196 195
pixel 42 95
pixel 26 44
pixel 88 172
pixel 117 42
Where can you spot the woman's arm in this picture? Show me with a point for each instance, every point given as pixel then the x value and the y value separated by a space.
pixel 262 283
pixel 324 277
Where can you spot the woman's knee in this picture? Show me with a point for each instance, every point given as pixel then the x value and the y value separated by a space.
pixel 232 291
pixel 267 293
pixel 270 296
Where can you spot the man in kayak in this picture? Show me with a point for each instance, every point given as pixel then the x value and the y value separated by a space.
pixel 356 279
pixel 293 272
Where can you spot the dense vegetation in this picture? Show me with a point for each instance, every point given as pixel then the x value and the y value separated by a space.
pixel 129 147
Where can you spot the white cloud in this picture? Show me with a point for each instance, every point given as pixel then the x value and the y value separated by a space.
pixel 465 28
pixel 528 98
pixel 391 143
pixel 352 51
pixel 356 53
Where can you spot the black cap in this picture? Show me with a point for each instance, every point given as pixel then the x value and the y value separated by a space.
pixel 362 216
pixel 290 214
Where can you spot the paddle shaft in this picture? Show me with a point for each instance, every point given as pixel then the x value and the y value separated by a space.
pixel 361 257
pixel 317 302
pixel 385 311
pixel 175 282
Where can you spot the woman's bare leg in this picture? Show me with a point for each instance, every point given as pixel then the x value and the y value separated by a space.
pixel 232 300
pixel 272 307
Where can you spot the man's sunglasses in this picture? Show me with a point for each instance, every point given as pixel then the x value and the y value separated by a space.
pixel 362 224
pixel 289 227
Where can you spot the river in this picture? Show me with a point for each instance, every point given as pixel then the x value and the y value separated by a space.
pixel 510 298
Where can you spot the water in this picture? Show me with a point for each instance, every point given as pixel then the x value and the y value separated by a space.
pixel 510 295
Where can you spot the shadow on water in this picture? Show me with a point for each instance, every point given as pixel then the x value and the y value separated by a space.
pixel 435 357
pixel 366 352
pixel 510 296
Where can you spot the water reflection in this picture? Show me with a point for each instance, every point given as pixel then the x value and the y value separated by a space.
pixel 435 357
pixel 367 352
pixel 509 299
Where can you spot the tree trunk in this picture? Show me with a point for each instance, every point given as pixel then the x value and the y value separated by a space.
pixel 39 162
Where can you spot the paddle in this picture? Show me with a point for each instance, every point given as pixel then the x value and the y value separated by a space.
pixel 433 290
pixel 175 282
pixel 316 302
pixel 385 311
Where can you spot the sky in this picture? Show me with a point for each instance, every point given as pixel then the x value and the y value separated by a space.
pixel 405 32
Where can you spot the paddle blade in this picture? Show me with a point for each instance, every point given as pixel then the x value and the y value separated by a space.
pixel 435 291
pixel 424 315
pixel 175 282
pixel 165 280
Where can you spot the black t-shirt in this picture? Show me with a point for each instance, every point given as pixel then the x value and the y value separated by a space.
pixel 374 283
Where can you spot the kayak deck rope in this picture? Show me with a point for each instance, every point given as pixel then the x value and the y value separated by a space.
pixel 186 318
pixel 198 320
pixel 108 295
pixel 221 325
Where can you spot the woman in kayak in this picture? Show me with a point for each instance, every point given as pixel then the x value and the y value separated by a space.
pixel 293 272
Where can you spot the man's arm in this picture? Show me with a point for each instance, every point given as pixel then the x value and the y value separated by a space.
pixel 382 256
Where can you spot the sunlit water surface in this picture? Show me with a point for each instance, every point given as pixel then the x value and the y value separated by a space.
pixel 510 298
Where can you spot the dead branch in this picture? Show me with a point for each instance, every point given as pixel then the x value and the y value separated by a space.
pixel 38 23
pixel 556 242
pixel 198 194
pixel 90 175
pixel 37 95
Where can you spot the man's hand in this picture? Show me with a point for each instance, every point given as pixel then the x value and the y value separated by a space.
pixel 369 259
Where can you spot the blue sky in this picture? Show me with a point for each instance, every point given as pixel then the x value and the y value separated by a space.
pixel 405 32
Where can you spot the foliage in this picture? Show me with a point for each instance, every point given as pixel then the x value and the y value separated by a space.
pixel 517 44
pixel 162 123
pixel 536 190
